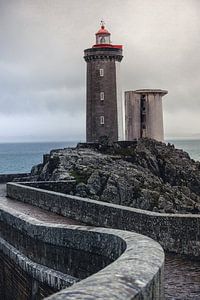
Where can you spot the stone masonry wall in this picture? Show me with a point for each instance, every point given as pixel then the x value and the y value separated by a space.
pixel 14 278
pixel 57 186
pixel 136 271
pixel 175 232
pixel 10 177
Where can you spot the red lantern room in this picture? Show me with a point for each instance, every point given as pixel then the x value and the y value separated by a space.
pixel 103 38
pixel 103 35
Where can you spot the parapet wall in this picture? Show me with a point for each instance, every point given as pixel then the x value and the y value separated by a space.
pixel 57 186
pixel 136 271
pixel 175 232
pixel 28 279
pixel 10 177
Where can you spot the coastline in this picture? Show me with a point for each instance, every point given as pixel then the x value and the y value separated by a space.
pixel 20 157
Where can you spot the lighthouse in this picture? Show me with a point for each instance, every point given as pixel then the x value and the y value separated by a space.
pixel 104 106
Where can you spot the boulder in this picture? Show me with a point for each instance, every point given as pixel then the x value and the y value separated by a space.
pixel 145 174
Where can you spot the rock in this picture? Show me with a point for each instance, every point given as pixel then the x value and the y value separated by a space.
pixel 94 183
pixel 81 190
pixel 36 169
pixel 144 174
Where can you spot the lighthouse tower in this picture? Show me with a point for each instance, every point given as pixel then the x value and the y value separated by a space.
pixel 104 112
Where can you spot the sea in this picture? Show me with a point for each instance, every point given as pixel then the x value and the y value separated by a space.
pixel 20 157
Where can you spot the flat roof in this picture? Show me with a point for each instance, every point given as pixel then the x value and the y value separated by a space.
pixel 151 91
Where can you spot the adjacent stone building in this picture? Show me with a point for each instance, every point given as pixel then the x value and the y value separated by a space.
pixel 104 111
pixel 144 114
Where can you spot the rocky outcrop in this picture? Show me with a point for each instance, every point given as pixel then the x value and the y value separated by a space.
pixel 145 174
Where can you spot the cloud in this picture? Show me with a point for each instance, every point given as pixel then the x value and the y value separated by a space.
pixel 42 127
pixel 42 71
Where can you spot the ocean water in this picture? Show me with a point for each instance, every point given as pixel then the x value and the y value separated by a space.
pixel 190 146
pixel 20 157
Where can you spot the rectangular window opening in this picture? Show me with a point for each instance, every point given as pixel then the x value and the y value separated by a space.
pixel 102 120
pixel 101 96
pixel 101 72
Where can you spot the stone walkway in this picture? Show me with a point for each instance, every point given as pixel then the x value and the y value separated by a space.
pixel 182 275
pixel 182 278
pixel 33 211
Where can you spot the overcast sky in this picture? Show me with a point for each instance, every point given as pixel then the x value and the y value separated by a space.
pixel 43 74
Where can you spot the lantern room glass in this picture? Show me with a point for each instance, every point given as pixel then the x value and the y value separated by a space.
pixel 103 39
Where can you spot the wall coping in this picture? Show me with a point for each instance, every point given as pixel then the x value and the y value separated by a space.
pixel 175 232
pixel 43 274
pixel 10 177
pixel 136 274
pixel 27 185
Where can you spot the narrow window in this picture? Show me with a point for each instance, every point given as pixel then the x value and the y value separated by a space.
pixel 101 72
pixel 102 120
pixel 102 40
pixel 101 96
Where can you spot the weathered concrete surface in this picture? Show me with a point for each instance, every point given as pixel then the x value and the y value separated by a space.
pixel 29 277
pixel 144 114
pixel 132 116
pixel 175 232
pixel 66 187
pixel 23 278
pixel 32 211
pixel 179 272
pixel 16 284
pixel 136 271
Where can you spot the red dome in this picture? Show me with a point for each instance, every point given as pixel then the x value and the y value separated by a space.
pixel 102 30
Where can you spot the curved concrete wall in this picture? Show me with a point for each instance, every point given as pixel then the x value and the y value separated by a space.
pixel 175 232
pixel 136 271
pixel 27 278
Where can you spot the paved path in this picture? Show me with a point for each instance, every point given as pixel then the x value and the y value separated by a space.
pixel 182 275
pixel 182 278
pixel 33 211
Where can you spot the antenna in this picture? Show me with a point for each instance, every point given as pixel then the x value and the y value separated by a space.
pixel 102 24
